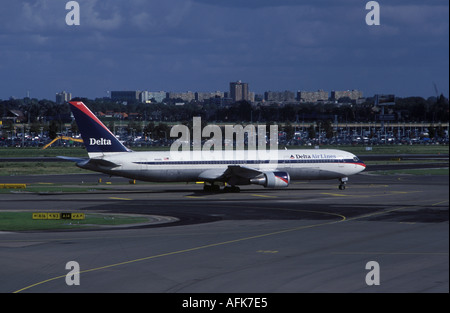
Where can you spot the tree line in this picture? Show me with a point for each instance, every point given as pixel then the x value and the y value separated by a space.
pixel 409 109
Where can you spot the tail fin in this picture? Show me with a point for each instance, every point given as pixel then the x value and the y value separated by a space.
pixel 97 138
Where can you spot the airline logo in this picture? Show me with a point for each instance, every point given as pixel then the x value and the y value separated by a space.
pixel 99 142
pixel 282 176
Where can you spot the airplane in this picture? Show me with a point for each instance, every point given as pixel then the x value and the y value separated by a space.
pixel 226 168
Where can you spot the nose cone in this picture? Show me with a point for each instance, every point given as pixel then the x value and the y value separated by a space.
pixel 359 164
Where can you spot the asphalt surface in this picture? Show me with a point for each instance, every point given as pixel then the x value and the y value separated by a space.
pixel 310 237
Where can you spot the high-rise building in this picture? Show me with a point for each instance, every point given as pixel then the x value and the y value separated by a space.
pixel 203 96
pixel 63 97
pixel 158 96
pixel 312 96
pixel 184 96
pixel 144 97
pixel 239 91
pixel 353 94
pixel 279 96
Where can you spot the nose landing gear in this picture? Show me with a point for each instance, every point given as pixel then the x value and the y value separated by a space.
pixel 343 182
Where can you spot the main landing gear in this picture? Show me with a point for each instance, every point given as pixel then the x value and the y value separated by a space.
pixel 234 189
pixel 343 182
pixel 211 188
pixel 216 188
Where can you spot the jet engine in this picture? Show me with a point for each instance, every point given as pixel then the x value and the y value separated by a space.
pixel 272 180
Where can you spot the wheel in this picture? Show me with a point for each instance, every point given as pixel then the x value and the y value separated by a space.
pixel 235 189
pixel 342 187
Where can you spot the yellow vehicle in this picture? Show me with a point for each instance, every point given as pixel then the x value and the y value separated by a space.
pixel 62 138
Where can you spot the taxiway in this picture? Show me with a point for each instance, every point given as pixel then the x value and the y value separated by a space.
pixel 310 237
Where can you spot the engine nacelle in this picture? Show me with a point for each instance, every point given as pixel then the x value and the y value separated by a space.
pixel 272 180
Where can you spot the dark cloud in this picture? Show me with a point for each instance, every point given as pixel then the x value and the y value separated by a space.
pixel 201 45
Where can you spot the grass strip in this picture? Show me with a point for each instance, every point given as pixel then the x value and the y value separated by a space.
pixel 356 149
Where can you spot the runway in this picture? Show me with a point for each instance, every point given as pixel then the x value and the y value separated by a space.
pixel 310 237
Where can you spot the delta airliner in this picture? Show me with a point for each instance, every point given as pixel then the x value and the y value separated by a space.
pixel 271 169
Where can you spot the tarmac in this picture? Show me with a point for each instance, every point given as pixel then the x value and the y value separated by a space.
pixel 308 238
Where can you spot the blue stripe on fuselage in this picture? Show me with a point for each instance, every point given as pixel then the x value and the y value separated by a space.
pixel 228 162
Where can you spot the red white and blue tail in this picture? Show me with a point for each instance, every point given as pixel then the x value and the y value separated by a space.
pixel 97 138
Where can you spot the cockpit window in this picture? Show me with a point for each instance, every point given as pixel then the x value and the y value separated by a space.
pixel 356 159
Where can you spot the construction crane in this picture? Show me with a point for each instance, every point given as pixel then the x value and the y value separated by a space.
pixel 61 138
pixel 436 90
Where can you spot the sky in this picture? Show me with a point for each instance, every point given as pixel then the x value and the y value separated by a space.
pixel 203 45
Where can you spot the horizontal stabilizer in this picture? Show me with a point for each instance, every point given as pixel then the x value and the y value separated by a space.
pixel 72 159
pixel 89 163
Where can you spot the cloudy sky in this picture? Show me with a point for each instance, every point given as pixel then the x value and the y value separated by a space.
pixel 202 45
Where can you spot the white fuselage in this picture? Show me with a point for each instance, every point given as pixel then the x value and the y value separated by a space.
pixel 177 166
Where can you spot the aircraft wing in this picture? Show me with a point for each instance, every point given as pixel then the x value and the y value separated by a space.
pixel 212 175
pixel 230 171
pixel 241 171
